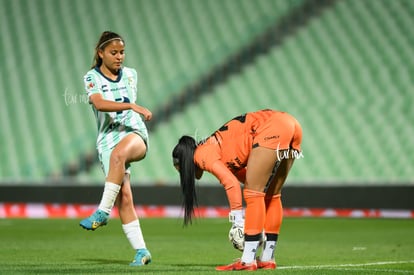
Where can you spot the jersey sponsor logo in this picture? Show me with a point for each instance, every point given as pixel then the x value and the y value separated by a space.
pixel 105 88
pixel 118 88
pixel 271 137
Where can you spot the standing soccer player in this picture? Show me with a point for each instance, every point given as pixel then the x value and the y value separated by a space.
pixel 257 149
pixel 122 137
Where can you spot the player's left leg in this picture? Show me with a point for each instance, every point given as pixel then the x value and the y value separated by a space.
pixel 260 165
pixel 131 225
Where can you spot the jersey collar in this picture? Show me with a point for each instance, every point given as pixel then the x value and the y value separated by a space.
pixel 117 79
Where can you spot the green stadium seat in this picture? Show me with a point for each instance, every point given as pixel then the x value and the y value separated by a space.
pixel 347 77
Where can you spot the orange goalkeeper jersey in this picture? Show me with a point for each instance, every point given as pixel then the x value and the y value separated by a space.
pixel 225 153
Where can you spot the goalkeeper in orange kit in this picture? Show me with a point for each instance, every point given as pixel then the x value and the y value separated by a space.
pixel 257 149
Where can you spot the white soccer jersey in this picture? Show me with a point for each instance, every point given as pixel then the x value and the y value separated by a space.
pixel 113 126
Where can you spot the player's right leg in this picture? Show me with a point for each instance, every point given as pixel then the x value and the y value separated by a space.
pixel 101 216
pixel 131 148
pixel 274 215
pixel 97 219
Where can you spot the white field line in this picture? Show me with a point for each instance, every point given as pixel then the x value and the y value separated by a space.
pixel 343 265
pixel 364 270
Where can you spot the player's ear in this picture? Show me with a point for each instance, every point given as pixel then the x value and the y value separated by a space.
pixel 100 53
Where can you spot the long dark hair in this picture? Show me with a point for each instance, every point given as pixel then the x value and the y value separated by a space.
pixel 106 37
pixel 183 159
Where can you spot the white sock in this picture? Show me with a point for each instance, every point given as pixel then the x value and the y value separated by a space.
pixel 109 195
pixel 268 251
pixel 133 233
pixel 249 252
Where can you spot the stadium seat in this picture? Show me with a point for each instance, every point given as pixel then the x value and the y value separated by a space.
pixel 347 77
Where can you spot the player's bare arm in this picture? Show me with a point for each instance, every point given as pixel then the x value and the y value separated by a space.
pixel 104 105
pixel 142 110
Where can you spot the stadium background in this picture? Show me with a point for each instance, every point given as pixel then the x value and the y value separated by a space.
pixel 344 68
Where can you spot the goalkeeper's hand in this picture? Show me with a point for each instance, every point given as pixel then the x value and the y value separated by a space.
pixel 237 217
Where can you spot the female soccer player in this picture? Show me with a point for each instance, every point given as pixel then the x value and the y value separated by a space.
pixel 257 149
pixel 122 137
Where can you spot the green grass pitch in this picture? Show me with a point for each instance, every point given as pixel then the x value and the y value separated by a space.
pixel 306 246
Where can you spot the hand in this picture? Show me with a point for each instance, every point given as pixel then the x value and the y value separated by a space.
pixel 142 110
pixel 236 217
pixel 146 113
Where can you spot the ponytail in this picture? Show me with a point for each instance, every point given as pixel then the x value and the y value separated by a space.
pixel 183 159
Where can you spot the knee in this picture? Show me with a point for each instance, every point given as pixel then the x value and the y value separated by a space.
pixel 118 158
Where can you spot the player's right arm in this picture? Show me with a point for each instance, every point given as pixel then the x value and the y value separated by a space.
pixel 92 87
pixel 230 183
pixel 233 192
pixel 105 105
pixel 241 175
pixel 207 157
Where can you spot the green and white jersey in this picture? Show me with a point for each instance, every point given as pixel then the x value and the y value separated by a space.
pixel 113 126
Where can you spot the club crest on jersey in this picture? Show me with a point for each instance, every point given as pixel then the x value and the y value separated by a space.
pixel 131 82
pixel 91 85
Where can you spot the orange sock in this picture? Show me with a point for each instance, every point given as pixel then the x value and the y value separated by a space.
pixel 274 214
pixel 255 212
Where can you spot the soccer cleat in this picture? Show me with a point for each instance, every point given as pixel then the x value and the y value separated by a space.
pixel 97 219
pixel 266 265
pixel 238 265
pixel 143 257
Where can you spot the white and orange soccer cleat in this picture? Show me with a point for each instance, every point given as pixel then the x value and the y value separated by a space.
pixel 266 265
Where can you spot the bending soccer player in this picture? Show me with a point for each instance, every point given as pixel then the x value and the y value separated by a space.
pixel 257 149
pixel 122 137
